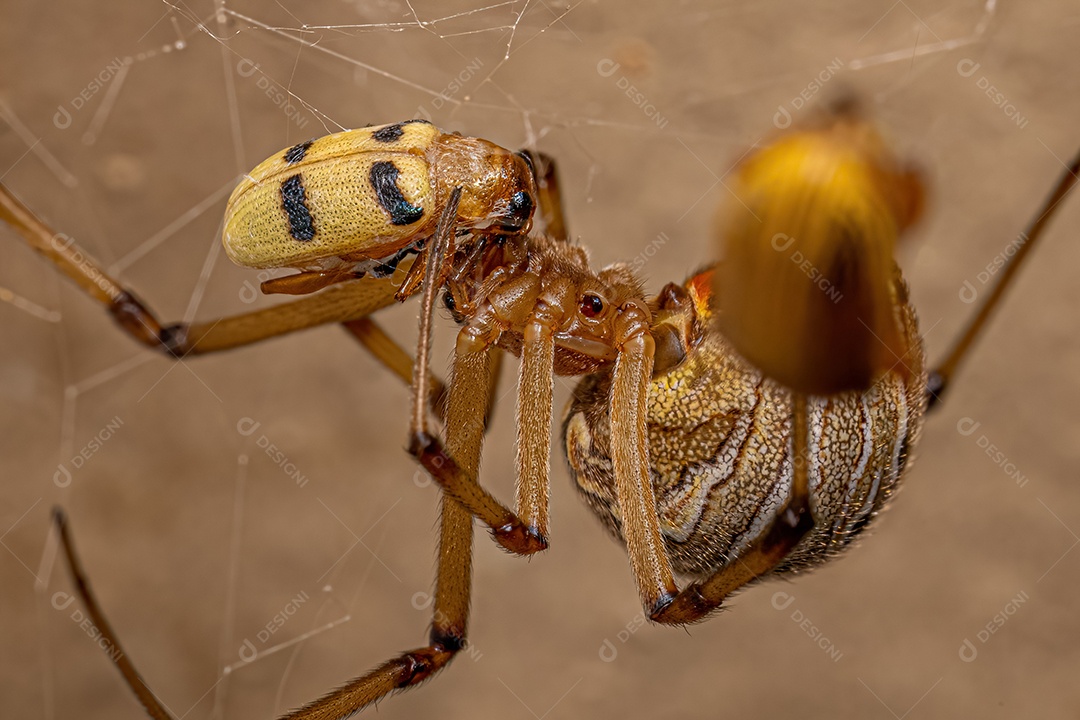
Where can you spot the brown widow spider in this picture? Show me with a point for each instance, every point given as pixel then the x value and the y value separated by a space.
pixel 693 436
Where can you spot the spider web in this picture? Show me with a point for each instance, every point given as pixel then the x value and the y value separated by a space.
pixel 258 536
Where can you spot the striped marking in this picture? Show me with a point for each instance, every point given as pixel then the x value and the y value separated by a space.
pixel 294 200
pixel 384 175
pixel 389 134
pixel 393 133
pixel 297 152
pixel 726 488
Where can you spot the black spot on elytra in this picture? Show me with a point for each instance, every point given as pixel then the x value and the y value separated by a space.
pixel 393 133
pixel 297 152
pixel 294 200
pixel 388 134
pixel 384 175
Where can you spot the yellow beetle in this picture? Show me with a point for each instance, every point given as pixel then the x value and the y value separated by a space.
pixel 357 202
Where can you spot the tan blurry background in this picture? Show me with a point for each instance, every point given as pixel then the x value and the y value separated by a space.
pixel 192 554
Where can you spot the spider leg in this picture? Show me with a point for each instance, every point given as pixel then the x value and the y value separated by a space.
pixel 536 372
pixel 468 401
pixel 535 388
pixel 448 628
pixel 526 530
pixel 792 522
pixel 395 359
pixel 348 303
pixel 398 361
pixel 640 523
pixel 941 376
pixel 453 584
pixel 338 303
pixel 112 647
pixel 472 374
pixel 549 196
pixel 633 484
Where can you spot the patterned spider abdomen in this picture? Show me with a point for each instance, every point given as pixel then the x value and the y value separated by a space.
pixel 721 448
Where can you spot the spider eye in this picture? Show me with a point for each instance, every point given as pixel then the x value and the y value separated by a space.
pixel 591 305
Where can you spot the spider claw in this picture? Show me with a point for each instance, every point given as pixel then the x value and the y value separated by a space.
pixel 519 539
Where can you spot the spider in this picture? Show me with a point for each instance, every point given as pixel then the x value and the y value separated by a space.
pixel 683 393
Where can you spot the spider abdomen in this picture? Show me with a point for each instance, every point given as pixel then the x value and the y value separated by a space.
pixel 721 453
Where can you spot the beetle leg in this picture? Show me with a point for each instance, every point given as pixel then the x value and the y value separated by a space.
pixel 417 272
pixel 307 281
pixel 413 278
